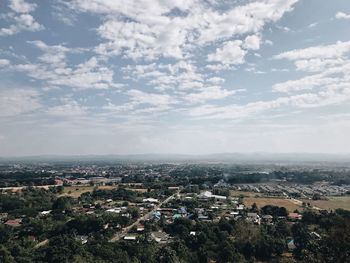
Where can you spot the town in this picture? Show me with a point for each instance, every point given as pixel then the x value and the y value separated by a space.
pixel 147 203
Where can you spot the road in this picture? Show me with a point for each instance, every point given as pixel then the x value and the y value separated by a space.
pixel 122 234
pixel 19 188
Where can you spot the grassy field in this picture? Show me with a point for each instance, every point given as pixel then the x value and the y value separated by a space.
pixel 76 191
pixel 245 194
pixel 332 203
pixel 262 201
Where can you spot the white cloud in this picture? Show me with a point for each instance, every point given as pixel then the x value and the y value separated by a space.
pixel 149 30
pixel 4 62
pixel 182 75
pixel 268 42
pixel 322 52
pixel 53 68
pixel 18 101
pixel 342 15
pixel 21 6
pixel 231 53
pixel 216 80
pixel 22 20
pixel 209 93
pixel 332 96
pixel 69 108
pixel 252 42
pixel 140 97
pixel 330 62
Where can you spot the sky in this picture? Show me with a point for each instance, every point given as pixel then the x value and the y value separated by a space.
pixel 174 76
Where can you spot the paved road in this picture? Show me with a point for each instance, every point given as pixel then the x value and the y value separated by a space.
pixel 122 234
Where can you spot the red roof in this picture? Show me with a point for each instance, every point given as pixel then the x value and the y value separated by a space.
pixel 14 222
pixel 294 216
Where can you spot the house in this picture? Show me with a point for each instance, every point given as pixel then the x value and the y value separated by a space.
pixel 83 239
pixel 267 219
pixel 203 218
pixel 294 216
pixel 234 214
pixel 150 200
pixel 175 216
pixel 206 195
pixel 156 215
pixel 14 223
pixel 291 246
pixel 166 211
pixel 174 188
pixel 130 238
pixel 58 182
pixel 240 207
pixel 44 213
pixel 192 233
pixel 3 215
pixel 114 210
pixel 140 228
pixel 160 237
pixel 315 235
pixel 182 211
pixel 254 218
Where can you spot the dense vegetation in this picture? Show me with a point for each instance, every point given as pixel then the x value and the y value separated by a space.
pixel 223 241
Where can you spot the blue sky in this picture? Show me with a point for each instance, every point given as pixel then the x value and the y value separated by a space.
pixel 174 76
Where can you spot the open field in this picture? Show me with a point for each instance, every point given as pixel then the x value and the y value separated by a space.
pixel 332 203
pixel 244 193
pixel 262 201
pixel 76 191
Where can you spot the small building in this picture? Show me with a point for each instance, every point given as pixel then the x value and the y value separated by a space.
pixel 44 213
pixel 14 222
pixel 174 188
pixel 140 228
pixel 315 235
pixel 3 215
pixel 156 215
pixel 254 218
pixel 267 219
pixel 294 216
pixel 150 200
pixel 160 237
pixel 291 246
pixel 130 238
pixel 203 218
pixel 206 195
pixel 114 210
pixel 83 239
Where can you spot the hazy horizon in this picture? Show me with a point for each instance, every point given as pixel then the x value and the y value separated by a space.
pixel 103 77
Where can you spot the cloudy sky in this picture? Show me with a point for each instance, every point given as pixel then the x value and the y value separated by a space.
pixel 174 76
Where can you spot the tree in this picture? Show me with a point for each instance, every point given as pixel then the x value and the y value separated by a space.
pixel 61 204
pixel 5 255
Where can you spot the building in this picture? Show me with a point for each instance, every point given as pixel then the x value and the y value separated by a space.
pixel 294 216
pixel 160 237
pixel 206 195
pixel 14 223
pixel 130 238
pixel 150 200
pixel 254 218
